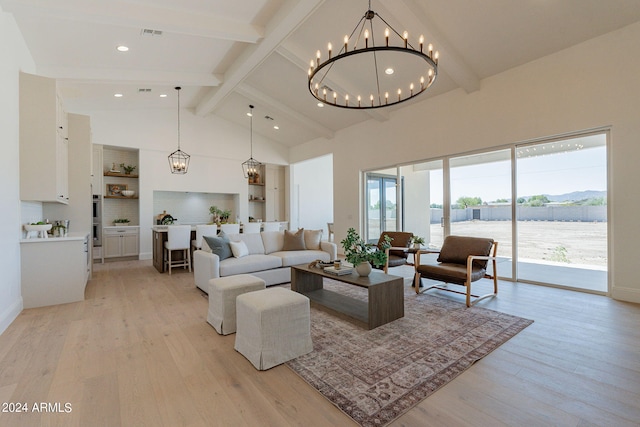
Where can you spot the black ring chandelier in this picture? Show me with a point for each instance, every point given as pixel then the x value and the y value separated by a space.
pixel 422 75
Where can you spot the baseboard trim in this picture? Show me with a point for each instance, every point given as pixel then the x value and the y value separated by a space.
pixel 10 314
pixel 626 294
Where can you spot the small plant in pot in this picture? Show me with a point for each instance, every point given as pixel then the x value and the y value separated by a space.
pixel 128 168
pixel 358 252
pixel 417 241
pixel 121 221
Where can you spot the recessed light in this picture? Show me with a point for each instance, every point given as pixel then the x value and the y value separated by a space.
pixel 276 127
pixel 320 104
pixel 122 48
pixel 249 114
pixel 163 95
pixel 118 95
pixel 388 71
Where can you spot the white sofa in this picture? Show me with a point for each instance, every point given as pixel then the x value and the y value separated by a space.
pixel 266 259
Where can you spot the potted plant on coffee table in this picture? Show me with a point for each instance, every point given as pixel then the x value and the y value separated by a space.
pixel 417 241
pixel 362 254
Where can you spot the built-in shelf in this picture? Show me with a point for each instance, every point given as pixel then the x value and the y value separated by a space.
pixel 121 175
pixel 256 200
pixel 120 197
pixel 260 184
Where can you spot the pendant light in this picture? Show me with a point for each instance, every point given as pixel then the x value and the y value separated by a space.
pixel 179 160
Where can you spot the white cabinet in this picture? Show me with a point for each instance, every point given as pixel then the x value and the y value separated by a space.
pixel 43 142
pixel 120 242
pixel 54 271
pixel 97 170
pixel 274 197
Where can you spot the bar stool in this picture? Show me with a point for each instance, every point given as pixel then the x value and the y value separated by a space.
pixel 271 226
pixel 230 228
pixel 178 239
pixel 251 227
pixel 201 231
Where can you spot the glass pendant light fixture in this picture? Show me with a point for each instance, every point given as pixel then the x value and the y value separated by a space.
pixel 251 167
pixel 179 160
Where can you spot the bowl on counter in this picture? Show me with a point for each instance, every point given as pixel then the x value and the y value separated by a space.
pixel 128 193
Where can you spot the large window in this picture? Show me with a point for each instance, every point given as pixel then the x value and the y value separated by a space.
pixel 545 203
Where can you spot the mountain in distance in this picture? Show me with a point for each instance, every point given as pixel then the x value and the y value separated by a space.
pixel 576 196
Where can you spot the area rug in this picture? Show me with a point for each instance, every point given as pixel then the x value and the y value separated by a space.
pixel 376 376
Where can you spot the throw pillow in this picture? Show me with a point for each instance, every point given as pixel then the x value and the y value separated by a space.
pixel 219 245
pixel 294 241
pixel 239 249
pixel 312 239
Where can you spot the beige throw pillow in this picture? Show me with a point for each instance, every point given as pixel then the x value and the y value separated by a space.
pixel 312 239
pixel 294 241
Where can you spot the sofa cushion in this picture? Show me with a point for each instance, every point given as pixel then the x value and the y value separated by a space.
pixel 249 264
pixel 290 258
pixel 252 240
pixel 273 241
pixel 294 241
pixel 312 239
pixel 219 245
pixel 239 249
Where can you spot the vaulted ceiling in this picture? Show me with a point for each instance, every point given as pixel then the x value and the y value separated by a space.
pixel 229 54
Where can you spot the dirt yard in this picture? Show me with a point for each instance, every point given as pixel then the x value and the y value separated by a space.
pixel 583 243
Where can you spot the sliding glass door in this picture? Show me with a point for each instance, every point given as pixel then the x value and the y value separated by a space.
pixel 562 212
pixel 382 204
pixel 481 201
pixel 545 203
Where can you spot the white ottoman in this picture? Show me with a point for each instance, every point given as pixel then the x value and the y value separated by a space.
pixel 274 326
pixel 222 299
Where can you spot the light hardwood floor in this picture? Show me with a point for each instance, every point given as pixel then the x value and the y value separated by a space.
pixel 138 352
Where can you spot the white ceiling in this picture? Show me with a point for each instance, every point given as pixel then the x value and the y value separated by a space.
pixel 228 54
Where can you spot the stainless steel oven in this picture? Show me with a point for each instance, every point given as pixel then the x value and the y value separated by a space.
pixel 97 220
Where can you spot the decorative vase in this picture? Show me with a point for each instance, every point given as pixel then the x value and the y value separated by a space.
pixel 363 269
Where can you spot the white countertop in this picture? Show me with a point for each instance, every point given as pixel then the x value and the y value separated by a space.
pixel 121 226
pixel 70 237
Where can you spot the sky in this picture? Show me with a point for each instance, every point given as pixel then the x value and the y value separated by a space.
pixel 550 174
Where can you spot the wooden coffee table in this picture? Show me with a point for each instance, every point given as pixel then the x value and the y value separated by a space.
pixel 385 294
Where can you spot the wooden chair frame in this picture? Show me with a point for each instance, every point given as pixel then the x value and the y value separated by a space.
pixel 467 283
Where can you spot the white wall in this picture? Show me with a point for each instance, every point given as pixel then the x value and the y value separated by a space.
pixel 217 148
pixel 591 85
pixel 312 194
pixel 15 57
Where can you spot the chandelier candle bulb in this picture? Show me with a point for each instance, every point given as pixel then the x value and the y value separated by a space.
pixel 335 97
pixel 359 99
pixel 366 39
pixel 329 49
pixel 436 56
pixel 411 88
pixel 399 94
pixel 405 36
pixel 386 97
pixel 317 58
pixel 430 49
pixel 346 100
pixel 346 40
pixel 324 93
pixel 422 83
pixel 421 42
pixel 386 36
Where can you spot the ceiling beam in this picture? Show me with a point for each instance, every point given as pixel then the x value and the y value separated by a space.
pixel 124 76
pixel 140 16
pixel 451 62
pixel 282 110
pixel 293 14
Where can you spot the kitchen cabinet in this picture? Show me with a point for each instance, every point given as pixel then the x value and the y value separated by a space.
pixel 96 170
pixel 54 270
pixel 120 242
pixel 44 150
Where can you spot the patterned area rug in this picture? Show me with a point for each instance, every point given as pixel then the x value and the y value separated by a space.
pixel 376 376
